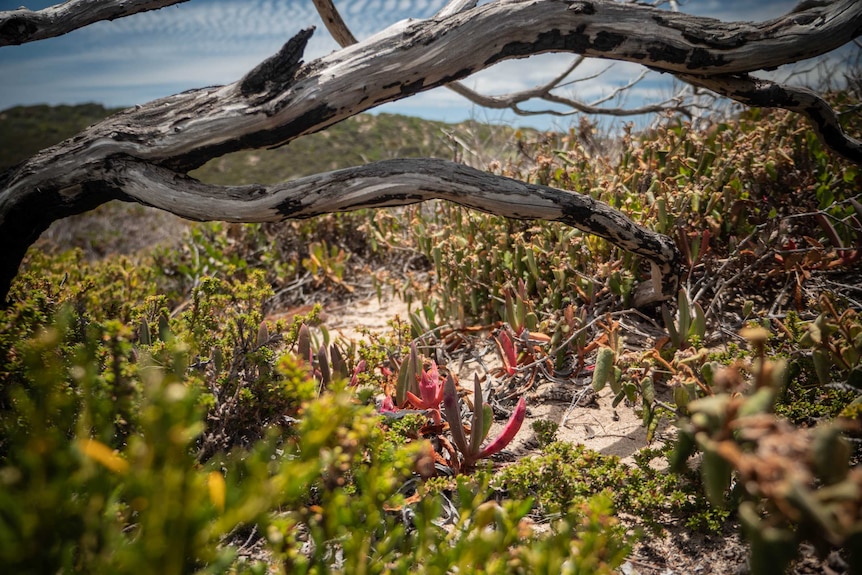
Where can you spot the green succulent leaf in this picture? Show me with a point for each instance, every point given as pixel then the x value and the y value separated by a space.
pixel 603 368
pixel 453 416
pixel 144 333
pixel 477 426
pixel 715 471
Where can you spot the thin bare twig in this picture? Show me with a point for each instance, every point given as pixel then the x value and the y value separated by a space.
pixel 340 32
pixel 334 23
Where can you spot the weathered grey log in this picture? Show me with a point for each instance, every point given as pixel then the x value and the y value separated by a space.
pixel 340 32
pixel 395 183
pixel 283 98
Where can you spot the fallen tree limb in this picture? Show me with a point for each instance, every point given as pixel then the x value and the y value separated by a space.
pixel 395 183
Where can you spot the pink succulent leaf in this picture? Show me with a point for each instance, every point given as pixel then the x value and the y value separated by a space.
pixel 387 405
pixel 453 416
pixel 416 402
pixel 510 358
pixel 360 367
pixel 509 431
pixel 430 388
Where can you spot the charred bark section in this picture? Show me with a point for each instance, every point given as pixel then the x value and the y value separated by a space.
pixel 25 220
pixel 275 74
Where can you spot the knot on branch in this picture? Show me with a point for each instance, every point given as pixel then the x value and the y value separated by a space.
pixel 581 7
pixel 276 72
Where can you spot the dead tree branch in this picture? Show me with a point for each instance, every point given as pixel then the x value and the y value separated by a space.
pixel 513 101
pixel 341 33
pixel 392 183
pixel 334 23
pixel 22 25
pixel 455 6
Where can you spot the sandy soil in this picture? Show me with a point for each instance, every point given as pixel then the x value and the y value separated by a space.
pixel 585 417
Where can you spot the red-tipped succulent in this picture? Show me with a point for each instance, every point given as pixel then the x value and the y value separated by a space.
pixel 472 451
pixel 417 387
pixel 360 367
pixel 387 406
pixel 430 390
pixel 506 347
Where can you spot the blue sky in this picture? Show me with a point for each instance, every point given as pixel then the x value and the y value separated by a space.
pixel 208 42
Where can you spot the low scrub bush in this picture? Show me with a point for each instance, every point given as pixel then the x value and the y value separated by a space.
pixel 198 442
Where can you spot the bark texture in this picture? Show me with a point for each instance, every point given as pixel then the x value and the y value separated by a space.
pixel 23 25
pixel 144 153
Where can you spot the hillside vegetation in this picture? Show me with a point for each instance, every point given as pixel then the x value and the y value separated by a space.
pixel 24 130
pixel 185 408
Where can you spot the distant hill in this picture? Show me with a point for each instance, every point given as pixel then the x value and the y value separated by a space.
pixel 355 141
pixel 24 130
pixel 119 227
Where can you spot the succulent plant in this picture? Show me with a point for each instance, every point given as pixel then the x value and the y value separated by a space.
pixel 471 450
pixel 509 356
pixel 408 376
pixel 690 322
pixel 430 390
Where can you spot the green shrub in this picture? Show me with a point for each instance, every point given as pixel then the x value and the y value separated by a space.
pixel 165 443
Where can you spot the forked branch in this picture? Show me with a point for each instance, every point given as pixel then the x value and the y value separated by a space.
pixel 342 34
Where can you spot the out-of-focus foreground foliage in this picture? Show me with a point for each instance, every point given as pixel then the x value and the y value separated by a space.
pixel 136 440
pixel 158 415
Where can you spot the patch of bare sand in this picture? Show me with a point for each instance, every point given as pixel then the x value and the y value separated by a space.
pixel 594 423
pixel 370 313
pixel 584 417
